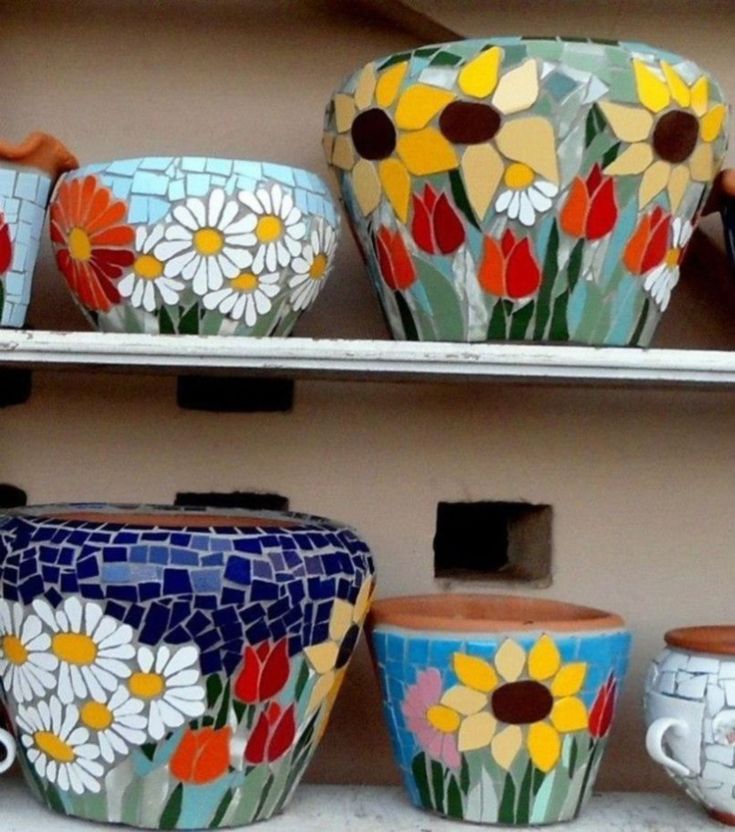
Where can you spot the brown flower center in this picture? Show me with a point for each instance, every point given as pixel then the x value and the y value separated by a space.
pixel 347 646
pixel 521 703
pixel 675 136
pixel 463 122
pixel 373 134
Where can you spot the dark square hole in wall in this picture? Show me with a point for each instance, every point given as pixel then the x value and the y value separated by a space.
pixel 235 395
pixel 495 541
pixel 11 496
pixel 252 500
pixel 15 387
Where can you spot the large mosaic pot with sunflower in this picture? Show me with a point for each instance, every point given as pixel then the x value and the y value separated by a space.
pixel 194 245
pixel 499 707
pixel 526 189
pixel 169 668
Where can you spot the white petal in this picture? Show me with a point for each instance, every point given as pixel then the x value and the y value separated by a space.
pixel 216 202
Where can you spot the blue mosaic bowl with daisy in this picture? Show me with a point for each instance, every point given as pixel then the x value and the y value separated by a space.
pixel 173 668
pixel 194 245
pixel 526 188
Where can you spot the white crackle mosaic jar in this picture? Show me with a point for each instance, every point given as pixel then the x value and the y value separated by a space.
pixel 690 713
pixel 28 172
pixel 526 188
pixel 194 245
pixel 173 668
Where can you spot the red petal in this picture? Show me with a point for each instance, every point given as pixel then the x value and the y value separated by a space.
pixel 429 197
pixel 448 228
pixel 283 735
pixel 404 272
pixel 492 269
pixel 182 762
pixel 658 245
pixel 384 261
pixel 574 212
pixel 594 178
pixel 421 226
pixel 523 273
pixel 636 247
pixel 255 749
pixel 6 248
pixel 603 212
pixel 507 242
pixel 246 684
pixel 275 671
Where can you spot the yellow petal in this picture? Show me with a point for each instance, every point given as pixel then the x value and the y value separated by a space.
pixel 654 180
pixel 634 159
pixel 343 153
pixel 569 714
pixel 340 619
pixel 482 170
pixel 426 151
pixel 700 95
pixel 321 690
pixel 366 185
pixel 344 111
pixel 702 163
pixel 322 657
pixel 630 124
pixel 543 659
pixel 464 700
pixel 678 184
pixel 476 731
pixel 388 84
pixel 328 145
pixel 443 719
pixel 518 89
pixel 569 679
pixel 506 745
pixel 479 77
pixel 365 87
pixel 419 104
pixel 362 602
pixel 510 660
pixel 531 141
pixel 475 673
pixel 544 745
pixel 679 90
pixel 652 91
pixel 711 123
pixel 396 184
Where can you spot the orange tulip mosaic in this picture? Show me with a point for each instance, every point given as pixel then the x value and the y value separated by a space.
pixel 526 189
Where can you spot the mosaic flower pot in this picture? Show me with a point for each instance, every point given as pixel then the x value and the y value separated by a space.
pixel 690 715
pixel 173 669
pixel 194 246
pixel 499 707
pixel 523 188
pixel 28 172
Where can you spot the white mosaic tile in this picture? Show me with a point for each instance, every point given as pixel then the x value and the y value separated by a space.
pixel 692 688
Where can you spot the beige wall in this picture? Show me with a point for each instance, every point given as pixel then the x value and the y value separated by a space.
pixel 642 482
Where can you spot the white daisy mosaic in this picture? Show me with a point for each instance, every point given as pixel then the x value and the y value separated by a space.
pixel 525 194
pixel 146 281
pixel 660 282
pixel 277 227
pixel 312 266
pixel 26 665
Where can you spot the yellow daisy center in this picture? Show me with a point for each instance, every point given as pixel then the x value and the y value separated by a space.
pixel 54 747
pixel 147 266
pixel 14 650
pixel 96 716
pixel 318 267
pixel 518 176
pixel 672 256
pixel 443 719
pixel 74 648
pixel 146 685
pixel 269 229
pixel 208 241
pixel 80 246
pixel 245 282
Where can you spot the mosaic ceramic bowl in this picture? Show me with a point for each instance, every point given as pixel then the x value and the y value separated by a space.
pixel 28 172
pixel 690 715
pixel 194 245
pixel 499 707
pixel 173 669
pixel 525 188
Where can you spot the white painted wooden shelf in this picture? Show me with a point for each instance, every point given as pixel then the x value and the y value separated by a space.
pixel 362 359
pixel 386 809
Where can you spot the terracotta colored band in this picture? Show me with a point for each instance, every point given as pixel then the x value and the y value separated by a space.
pixel 709 639
pixel 171 520
pixel 40 151
pixel 488 613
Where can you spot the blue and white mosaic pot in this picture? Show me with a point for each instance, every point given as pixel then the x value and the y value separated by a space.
pixel 194 245
pixel 499 707
pixel 28 172
pixel 173 668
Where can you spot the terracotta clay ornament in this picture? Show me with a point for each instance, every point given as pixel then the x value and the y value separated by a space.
pixel 526 188
pixel 499 707
pixel 690 715
pixel 28 172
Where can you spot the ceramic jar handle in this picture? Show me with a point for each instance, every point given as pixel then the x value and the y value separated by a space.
pixel 655 743
pixel 8 743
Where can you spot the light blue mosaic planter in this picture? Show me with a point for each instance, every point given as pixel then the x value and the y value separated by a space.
pixel 194 245
pixel 499 707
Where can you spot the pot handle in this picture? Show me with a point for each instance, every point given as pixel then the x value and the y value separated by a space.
pixel 8 743
pixel 655 743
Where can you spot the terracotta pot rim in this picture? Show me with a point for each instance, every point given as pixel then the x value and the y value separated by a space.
pixel 40 151
pixel 446 612
pixel 708 638
pixel 144 516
